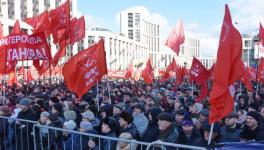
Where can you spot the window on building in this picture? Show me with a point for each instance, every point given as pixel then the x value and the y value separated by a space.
pixel 130 34
pixel 130 19
pixel 137 20
pixel 90 40
pixel 247 43
pixel 137 35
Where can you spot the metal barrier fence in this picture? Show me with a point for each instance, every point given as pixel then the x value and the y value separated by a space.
pixel 16 134
pixel 19 134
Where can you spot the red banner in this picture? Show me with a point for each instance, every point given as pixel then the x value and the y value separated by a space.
pixel 21 46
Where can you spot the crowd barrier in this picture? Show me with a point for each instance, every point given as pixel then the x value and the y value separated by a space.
pixel 29 135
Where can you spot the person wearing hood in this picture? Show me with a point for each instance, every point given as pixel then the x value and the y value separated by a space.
pixel 140 120
pixel 109 128
pixel 152 132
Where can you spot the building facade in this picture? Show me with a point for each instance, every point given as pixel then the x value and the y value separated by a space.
pixel 136 24
pixel 207 62
pixel 120 50
pixel 10 10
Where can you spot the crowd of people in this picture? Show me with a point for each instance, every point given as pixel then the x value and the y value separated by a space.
pixel 127 110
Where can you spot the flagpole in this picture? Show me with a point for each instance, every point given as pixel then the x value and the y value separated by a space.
pixel 97 95
pixel 108 89
pixel 211 133
pixel 258 66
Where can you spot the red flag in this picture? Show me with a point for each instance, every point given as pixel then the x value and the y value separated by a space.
pixel 129 71
pixel 29 74
pixel 1 30
pixel 60 53
pixel 60 17
pixel 203 93
pixel 245 78
pixel 12 78
pixel 39 23
pixel 176 38
pixel 77 31
pixel 137 74
pixel 16 27
pixel 83 70
pixel 261 34
pixel 199 73
pixel 21 71
pixel 147 73
pixel 211 70
pixel 228 69
pixel 170 71
pixel 261 70
pixel 44 67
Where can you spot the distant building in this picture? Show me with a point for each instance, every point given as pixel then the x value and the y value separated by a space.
pixel 207 62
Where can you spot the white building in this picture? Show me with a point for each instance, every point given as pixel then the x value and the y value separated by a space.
pixel 207 62
pixel 136 24
pixel 10 10
pixel 120 50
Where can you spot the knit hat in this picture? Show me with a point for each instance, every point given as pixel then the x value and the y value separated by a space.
pixel 58 107
pixel 70 125
pixel 44 114
pixel 127 117
pixel 166 116
pixel 88 115
pixel 69 115
pixel 111 122
pixel 24 101
pixel 86 125
pixel 254 115
pixel 180 112
pixel 187 122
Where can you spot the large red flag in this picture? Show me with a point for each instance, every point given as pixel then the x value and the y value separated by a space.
pixel 199 73
pixel 40 22
pixel 147 73
pixel 60 17
pixel 12 78
pixel 83 70
pixel 261 70
pixel 77 30
pixel 261 34
pixel 228 69
pixel 252 73
pixel 129 71
pixel 176 38
pixel 29 74
pixel 60 53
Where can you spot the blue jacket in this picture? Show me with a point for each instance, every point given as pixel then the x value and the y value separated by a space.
pixel 141 122
pixel 71 142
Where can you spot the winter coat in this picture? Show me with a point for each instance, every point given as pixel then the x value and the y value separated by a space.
pixel 170 136
pixel 183 139
pixel 141 122
pixel 132 129
pixel 7 135
pixel 71 142
pixel 107 144
pixel 229 134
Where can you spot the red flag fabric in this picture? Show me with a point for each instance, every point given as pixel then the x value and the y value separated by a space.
pixel 203 93
pixel 211 70
pixel 40 23
pixel 261 34
pixel 176 38
pixel 246 78
pixel 60 53
pixel 170 71
pixel 129 71
pixel 1 30
pixel 29 75
pixel 228 69
pixel 77 30
pixel 21 71
pixel 261 70
pixel 147 73
pixel 12 78
pixel 137 74
pixel 16 27
pixel 199 73
pixel 60 17
pixel 83 70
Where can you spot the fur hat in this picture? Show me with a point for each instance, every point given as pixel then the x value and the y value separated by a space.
pixel 69 115
pixel 166 116
pixel 127 117
pixel 111 122
pixel 70 125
